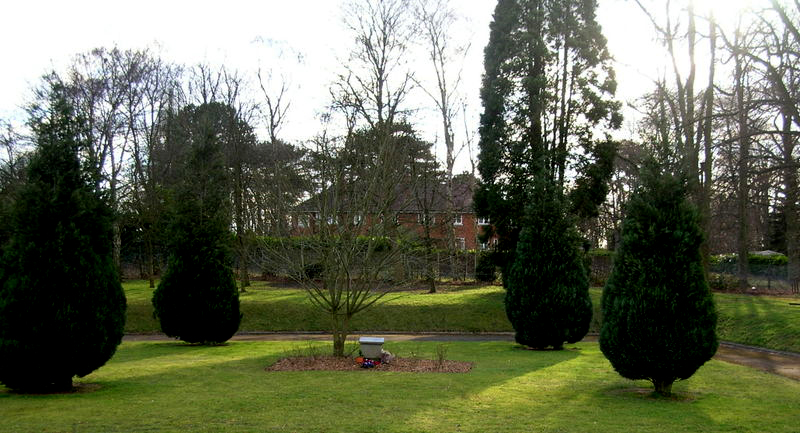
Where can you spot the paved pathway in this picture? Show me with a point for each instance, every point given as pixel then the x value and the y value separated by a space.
pixel 782 363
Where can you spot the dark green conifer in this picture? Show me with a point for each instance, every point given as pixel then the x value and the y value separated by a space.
pixel 547 292
pixel 62 308
pixel 659 319
pixel 547 96
pixel 197 300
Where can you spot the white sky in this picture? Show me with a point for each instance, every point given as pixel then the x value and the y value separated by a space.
pixel 38 35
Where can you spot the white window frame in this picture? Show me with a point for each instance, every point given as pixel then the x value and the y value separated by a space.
pixel 458 220
pixel 483 221
pixel 461 244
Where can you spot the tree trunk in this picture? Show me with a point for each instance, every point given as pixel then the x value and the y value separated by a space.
pixel 339 339
pixel 692 148
pixel 150 266
pixel 431 263
pixel 244 272
pixel 451 229
pixel 449 141
pixel 708 143
pixel 116 247
pixel 341 324
pixel 743 191
pixel 663 387
pixel 790 203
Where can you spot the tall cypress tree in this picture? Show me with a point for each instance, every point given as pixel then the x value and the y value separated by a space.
pixel 659 320
pixel 547 293
pixel 197 300
pixel 547 89
pixel 62 308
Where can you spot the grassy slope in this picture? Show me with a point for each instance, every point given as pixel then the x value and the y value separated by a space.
pixel 758 321
pixel 268 309
pixel 171 387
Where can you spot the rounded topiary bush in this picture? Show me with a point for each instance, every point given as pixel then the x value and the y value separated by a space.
pixel 659 319
pixel 197 300
pixel 547 290
pixel 62 308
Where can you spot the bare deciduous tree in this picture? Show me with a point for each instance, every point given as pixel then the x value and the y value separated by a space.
pixel 208 85
pixel 150 96
pixel 354 251
pixel 376 80
pixel 689 129
pixel 351 251
pixel 437 19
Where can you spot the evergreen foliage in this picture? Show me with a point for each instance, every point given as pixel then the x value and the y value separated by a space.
pixel 547 90
pixel 197 300
pixel 659 319
pixel 485 269
pixel 12 177
pixel 62 308
pixel 547 292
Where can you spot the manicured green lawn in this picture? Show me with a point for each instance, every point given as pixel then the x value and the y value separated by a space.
pixel 759 321
pixel 165 386
pixel 270 309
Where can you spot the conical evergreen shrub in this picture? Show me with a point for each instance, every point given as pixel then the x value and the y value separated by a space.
pixel 659 319
pixel 62 308
pixel 197 300
pixel 547 291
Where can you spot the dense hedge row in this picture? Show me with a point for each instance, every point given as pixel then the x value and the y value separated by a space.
pixel 721 267
pixel 753 258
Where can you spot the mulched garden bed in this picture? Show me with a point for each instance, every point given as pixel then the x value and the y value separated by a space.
pixel 333 363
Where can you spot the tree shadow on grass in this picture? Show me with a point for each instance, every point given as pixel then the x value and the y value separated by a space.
pixel 777 323
pixel 554 396
pixel 227 389
pixel 231 388
pixel 137 351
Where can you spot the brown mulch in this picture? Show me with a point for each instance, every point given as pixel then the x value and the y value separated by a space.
pixel 333 363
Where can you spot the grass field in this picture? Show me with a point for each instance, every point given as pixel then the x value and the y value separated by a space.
pixel 759 321
pixel 274 309
pixel 170 387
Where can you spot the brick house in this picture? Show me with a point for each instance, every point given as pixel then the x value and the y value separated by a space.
pixel 410 214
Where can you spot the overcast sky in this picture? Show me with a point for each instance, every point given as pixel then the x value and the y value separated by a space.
pixel 39 35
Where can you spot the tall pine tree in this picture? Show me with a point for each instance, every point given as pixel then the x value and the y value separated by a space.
pixel 547 89
pixel 62 308
pixel 197 300
pixel 659 320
